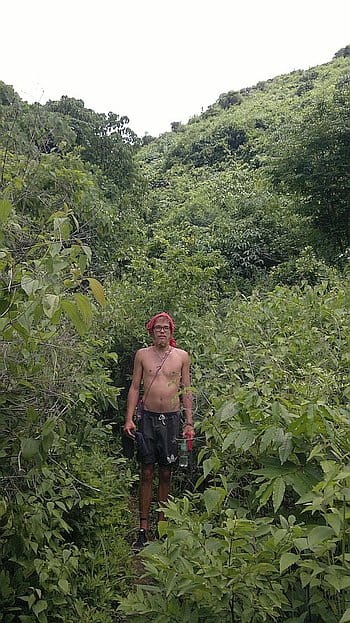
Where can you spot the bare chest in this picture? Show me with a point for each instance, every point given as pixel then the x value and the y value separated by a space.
pixel 164 365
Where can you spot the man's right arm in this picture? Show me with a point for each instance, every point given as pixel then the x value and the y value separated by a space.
pixel 133 396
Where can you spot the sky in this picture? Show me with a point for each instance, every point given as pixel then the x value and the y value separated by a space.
pixel 159 61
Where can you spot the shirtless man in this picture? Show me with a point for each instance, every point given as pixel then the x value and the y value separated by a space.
pixel 164 371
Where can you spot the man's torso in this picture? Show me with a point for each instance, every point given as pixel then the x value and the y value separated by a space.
pixel 161 376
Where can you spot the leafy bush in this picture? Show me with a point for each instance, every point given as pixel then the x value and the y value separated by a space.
pixel 267 539
pixel 54 385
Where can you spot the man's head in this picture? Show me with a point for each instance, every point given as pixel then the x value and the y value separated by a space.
pixel 161 327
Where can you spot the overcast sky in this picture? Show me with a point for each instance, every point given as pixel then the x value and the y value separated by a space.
pixel 159 61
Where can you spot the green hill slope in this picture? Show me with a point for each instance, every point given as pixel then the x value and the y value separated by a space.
pixel 261 174
pixel 237 223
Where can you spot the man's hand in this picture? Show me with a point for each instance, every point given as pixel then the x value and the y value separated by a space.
pixel 188 431
pixel 130 428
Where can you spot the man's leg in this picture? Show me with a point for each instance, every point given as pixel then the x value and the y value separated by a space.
pixel 147 472
pixel 164 486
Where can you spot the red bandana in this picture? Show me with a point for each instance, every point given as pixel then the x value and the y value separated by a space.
pixel 150 324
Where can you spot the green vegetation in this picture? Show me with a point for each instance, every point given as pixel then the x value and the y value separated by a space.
pixel 237 224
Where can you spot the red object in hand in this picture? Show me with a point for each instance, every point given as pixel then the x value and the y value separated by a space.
pixel 189 441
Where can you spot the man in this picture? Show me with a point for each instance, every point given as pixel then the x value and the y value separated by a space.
pixel 164 371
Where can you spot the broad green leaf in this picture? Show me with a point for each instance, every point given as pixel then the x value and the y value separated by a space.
pixel 301 543
pixel 30 448
pixel 55 248
pixel 345 493
pixel 268 438
pixel 170 584
pixel 84 307
pixel 79 607
pixel 346 616
pixel 345 582
pixel 97 290
pixel 39 606
pixel 279 535
pixel 47 441
pixel 224 482
pixel 288 559
pixel 245 439
pixel 343 474
pixel 229 440
pixel 334 520
pixel 318 450
pixel 202 452
pixel 273 471
pixel 301 482
pixel 330 468
pixel 82 263
pixel 207 466
pixel 74 252
pixel 262 530
pixel 305 578
pixel 64 585
pixel 29 284
pixel 51 303
pixel 338 581
pixel 266 494
pixel 213 545
pixel 285 448
pixel 228 411
pixel 62 227
pixel 163 527
pixel 333 580
pixel 87 251
pixel 213 497
pixel 320 534
pixel 73 314
pixel 211 464
pixel 279 488
pixel 22 330
pixel 5 209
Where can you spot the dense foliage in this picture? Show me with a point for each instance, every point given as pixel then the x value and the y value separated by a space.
pixel 236 223
pixel 268 539
pixel 64 485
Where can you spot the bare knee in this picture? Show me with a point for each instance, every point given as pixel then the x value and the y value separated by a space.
pixel 165 475
pixel 147 473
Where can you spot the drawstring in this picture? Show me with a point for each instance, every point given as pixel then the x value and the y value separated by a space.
pixel 162 418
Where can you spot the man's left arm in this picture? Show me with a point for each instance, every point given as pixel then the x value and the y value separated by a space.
pixel 187 396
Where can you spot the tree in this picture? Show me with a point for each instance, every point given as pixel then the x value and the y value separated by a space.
pixel 312 158
pixel 343 52
pixel 8 95
pixel 107 141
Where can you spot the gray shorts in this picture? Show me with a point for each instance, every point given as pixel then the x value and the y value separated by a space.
pixel 158 440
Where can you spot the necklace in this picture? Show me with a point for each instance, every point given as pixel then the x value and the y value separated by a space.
pixel 160 357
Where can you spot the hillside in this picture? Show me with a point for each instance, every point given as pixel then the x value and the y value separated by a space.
pixel 237 224
pixel 271 161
